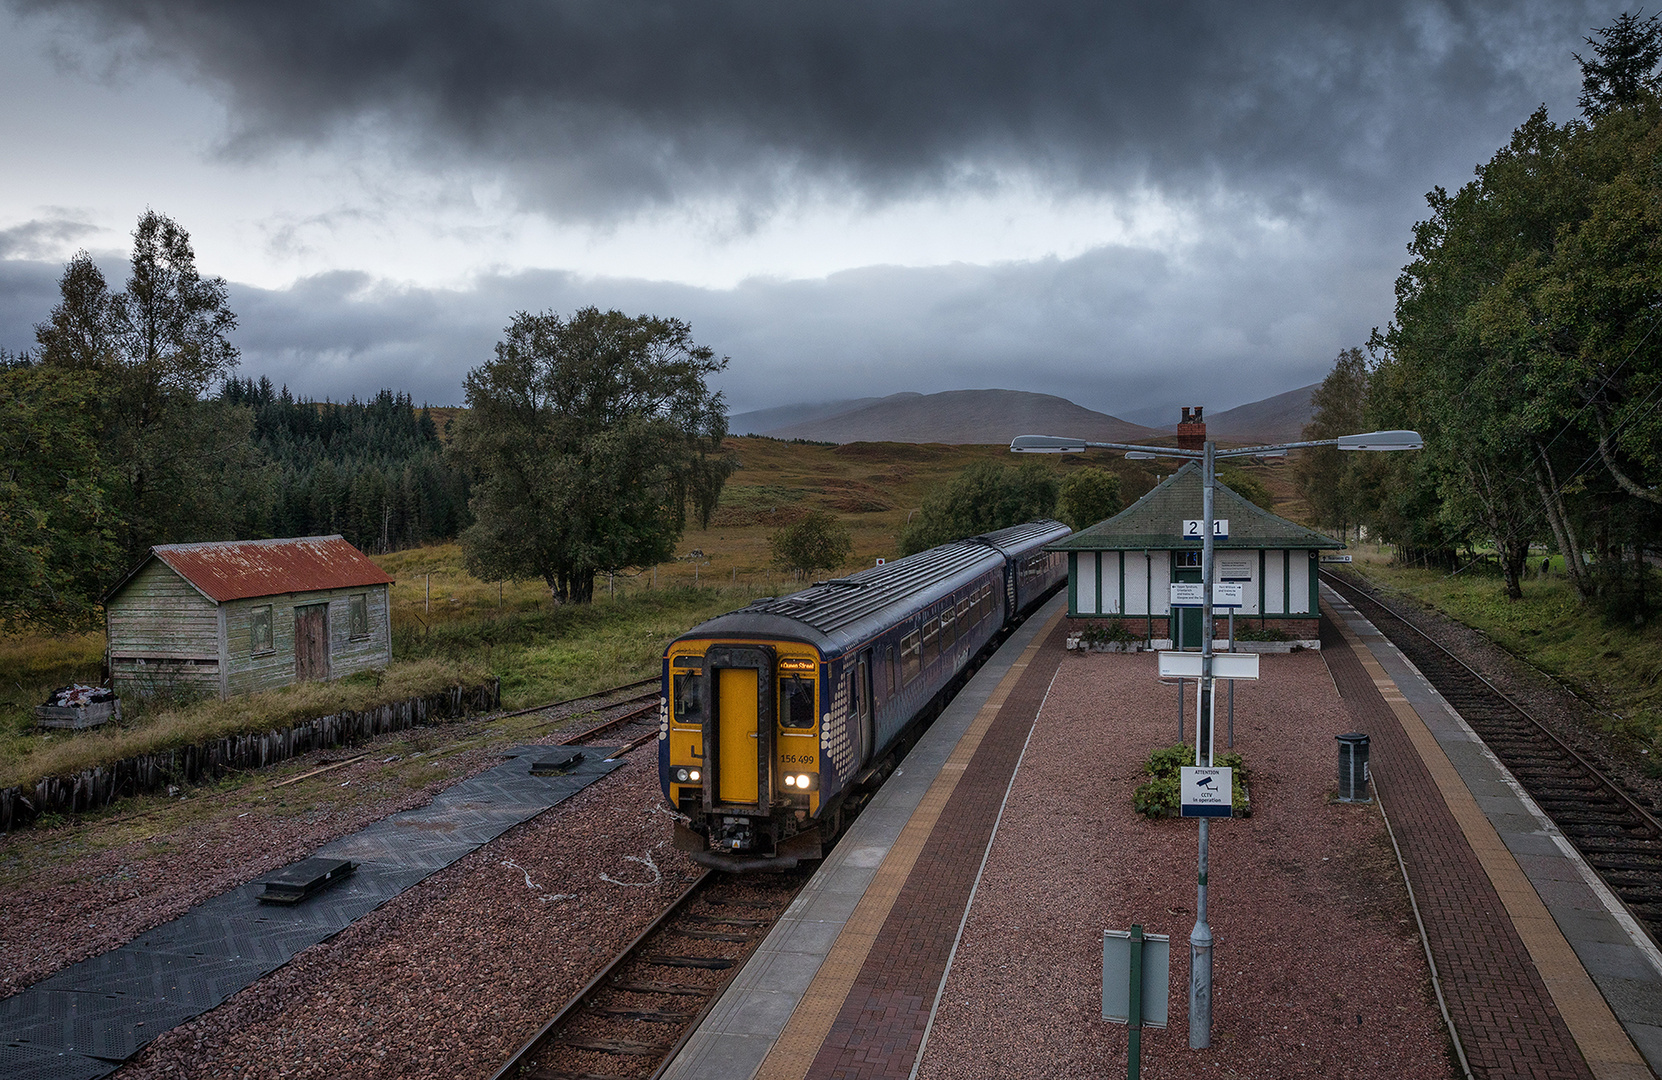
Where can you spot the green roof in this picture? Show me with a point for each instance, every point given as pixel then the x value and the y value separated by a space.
pixel 1155 522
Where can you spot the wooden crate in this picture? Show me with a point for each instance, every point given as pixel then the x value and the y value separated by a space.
pixel 77 716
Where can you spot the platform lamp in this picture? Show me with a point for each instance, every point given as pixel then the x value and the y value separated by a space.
pixel 1200 938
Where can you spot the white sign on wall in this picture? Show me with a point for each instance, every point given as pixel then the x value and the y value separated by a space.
pixel 1188 594
pixel 1236 566
pixel 1195 528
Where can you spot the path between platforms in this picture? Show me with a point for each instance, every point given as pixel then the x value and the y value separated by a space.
pixel 84 1021
pixel 1522 935
pixel 848 978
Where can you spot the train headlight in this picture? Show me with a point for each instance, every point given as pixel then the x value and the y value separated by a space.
pixel 692 774
pixel 802 781
pixel 686 775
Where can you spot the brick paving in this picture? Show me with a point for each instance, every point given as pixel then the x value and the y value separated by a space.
pixel 1505 1017
pixel 879 1030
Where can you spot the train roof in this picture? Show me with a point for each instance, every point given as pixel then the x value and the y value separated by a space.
pixel 844 611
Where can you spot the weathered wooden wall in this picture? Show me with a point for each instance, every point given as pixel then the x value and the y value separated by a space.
pixel 98 787
pixel 247 671
pixel 163 634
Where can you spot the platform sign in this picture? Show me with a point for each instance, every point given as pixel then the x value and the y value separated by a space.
pixel 1206 791
pixel 1336 558
pixel 1195 528
pixel 1154 986
pixel 1186 665
pixel 1236 565
pixel 1228 594
pixel 1188 594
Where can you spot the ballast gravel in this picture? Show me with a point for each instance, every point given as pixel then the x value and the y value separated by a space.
pixel 1318 970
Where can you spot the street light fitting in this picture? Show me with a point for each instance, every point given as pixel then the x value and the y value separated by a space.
pixel 1140 455
pixel 1381 440
pixel 1046 444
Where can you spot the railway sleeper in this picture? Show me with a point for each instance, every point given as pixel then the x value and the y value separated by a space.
pixel 711 935
pixel 714 963
pixel 566 1074
pixel 616 1046
pixel 673 989
pixel 725 920
pixel 651 1016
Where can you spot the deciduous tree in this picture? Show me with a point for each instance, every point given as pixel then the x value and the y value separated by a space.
pixel 1087 496
pixel 818 541
pixel 985 497
pixel 588 440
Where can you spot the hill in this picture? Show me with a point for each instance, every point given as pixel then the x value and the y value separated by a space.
pixel 764 421
pixel 1275 419
pixel 959 417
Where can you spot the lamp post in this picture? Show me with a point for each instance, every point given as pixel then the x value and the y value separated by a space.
pixel 1200 938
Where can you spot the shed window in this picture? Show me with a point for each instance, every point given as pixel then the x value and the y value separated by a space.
pixel 259 630
pixel 1188 560
pixel 358 610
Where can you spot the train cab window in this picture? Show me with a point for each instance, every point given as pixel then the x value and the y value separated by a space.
pixel 688 691
pixel 796 702
pixel 911 656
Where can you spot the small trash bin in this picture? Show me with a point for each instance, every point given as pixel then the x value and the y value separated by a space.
pixel 1353 767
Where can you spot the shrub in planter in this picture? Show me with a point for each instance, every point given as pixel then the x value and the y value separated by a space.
pixel 1253 633
pixel 1112 632
pixel 1160 796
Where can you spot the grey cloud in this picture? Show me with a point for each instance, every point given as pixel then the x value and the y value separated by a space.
pixel 35 239
pixel 596 107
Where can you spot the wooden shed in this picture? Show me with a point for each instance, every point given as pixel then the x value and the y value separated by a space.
pixel 1123 567
pixel 245 615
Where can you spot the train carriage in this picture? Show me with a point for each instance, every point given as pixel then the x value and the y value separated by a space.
pixel 777 718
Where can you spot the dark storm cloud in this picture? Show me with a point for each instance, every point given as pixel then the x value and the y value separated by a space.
pixel 40 237
pixel 599 107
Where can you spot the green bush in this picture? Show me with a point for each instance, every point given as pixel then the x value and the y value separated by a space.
pixel 1160 796
pixel 1253 633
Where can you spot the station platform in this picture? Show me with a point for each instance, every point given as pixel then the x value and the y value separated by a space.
pixel 956 929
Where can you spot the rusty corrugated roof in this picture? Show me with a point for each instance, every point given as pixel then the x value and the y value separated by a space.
pixel 239 569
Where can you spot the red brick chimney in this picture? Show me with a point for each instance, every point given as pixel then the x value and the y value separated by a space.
pixel 1191 430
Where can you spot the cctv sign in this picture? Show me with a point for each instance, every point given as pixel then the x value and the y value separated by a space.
pixel 1206 792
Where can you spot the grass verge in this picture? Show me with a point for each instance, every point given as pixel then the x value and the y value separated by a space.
pixel 1616 666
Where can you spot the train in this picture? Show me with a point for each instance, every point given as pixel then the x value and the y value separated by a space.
pixel 778 720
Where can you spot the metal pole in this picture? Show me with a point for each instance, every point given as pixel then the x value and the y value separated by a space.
pixel 1180 684
pixel 1134 1014
pixel 1200 938
pixel 1232 681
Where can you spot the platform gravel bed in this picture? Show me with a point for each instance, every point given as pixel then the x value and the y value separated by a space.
pixel 450 977
pixel 1318 969
pixel 83 887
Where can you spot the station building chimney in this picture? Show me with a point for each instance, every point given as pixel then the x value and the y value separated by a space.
pixel 1191 430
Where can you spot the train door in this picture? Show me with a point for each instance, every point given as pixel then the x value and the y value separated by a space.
pixel 739 727
pixel 865 707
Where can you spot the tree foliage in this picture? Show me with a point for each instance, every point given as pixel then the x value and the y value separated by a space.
pixel 57 542
pixel 587 440
pixel 986 496
pixel 180 467
pixel 1326 477
pixel 818 541
pixel 1524 345
pixel 1087 496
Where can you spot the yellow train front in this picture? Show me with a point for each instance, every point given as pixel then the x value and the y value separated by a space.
pixel 779 718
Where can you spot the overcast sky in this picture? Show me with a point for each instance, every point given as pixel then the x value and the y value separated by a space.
pixel 1134 206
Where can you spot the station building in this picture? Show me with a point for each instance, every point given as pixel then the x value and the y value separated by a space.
pixel 1122 568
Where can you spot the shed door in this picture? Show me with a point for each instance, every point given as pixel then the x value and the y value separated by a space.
pixel 311 641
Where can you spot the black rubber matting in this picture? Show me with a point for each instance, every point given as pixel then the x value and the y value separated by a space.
pixel 84 1021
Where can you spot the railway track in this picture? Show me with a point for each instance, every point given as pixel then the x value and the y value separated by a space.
pixel 1617 836
pixel 632 1018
